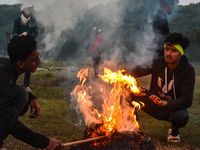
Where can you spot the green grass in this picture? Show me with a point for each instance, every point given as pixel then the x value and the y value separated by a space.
pixel 53 85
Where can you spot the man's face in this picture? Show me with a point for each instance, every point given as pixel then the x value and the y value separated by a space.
pixel 172 54
pixel 32 62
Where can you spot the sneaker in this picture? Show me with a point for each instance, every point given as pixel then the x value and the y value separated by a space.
pixel 174 139
pixel 28 89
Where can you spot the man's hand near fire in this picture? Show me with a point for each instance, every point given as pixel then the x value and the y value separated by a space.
pixel 35 108
pixel 141 93
pixel 158 101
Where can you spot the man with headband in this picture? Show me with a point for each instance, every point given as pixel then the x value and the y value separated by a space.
pixel 172 85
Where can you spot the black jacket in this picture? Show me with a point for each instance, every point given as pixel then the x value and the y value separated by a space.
pixel 31 27
pixel 9 123
pixel 178 94
pixel 161 29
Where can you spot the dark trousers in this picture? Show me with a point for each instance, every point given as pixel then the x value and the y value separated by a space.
pixel 19 108
pixel 96 61
pixel 27 78
pixel 178 118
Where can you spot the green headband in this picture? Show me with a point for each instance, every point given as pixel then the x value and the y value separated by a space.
pixel 177 46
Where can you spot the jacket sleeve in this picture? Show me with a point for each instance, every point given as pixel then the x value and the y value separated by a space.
pixel 23 133
pixel 31 96
pixel 34 32
pixel 139 71
pixel 15 28
pixel 142 70
pixel 186 92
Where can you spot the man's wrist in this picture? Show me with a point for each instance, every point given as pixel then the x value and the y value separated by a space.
pixel 163 103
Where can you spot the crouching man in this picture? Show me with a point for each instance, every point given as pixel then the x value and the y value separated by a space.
pixel 172 85
pixel 15 99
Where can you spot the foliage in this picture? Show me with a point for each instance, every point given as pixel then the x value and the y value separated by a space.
pixel 7 16
pixel 136 16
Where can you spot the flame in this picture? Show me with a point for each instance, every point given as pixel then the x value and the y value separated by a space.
pixel 117 113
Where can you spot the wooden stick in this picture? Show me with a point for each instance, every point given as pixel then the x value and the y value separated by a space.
pixel 83 141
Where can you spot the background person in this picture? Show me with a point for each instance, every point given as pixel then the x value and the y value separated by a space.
pixel 96 50
pixel 172 85
pixel 160 25
pixel 15 99
pixel 26 24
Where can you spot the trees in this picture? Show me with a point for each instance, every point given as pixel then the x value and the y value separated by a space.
pixel 135 20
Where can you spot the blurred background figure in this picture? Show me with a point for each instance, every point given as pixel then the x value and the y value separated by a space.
pixel 23 25
pixel 96 50
pixel 161 26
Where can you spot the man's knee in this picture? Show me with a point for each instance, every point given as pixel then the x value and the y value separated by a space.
pixel 179 118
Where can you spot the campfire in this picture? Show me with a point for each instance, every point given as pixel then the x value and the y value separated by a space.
pixel 108 114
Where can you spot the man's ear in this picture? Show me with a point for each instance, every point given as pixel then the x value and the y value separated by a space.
pixel 20 64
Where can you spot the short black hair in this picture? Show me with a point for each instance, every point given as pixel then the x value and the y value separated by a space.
pixel 164 3
pixel 177 38
pixel 20 47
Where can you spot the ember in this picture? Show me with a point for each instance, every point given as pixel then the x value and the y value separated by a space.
pixel 117 141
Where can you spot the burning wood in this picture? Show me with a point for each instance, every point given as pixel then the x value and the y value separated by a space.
pixel 114 118
pixel 117 141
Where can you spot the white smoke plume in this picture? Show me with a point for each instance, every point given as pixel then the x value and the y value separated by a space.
pixel 60 16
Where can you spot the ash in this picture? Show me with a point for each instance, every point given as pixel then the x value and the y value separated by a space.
pixel 119 141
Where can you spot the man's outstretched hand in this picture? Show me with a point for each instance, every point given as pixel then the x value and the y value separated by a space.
pixel 158 101
pixel 142 93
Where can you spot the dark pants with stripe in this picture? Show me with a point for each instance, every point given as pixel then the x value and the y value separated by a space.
pixel 178 118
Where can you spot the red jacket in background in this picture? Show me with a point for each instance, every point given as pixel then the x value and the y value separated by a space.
pixel 97 43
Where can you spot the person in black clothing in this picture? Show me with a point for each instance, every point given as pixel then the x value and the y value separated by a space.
pixel 172 85
pixel 26 24
pixel 160 24
pixel 15 99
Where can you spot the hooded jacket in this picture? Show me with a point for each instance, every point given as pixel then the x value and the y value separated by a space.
pixel 31 27
pixel 9 123
pixel 176 87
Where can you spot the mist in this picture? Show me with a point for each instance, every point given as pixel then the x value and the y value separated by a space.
pixel 68 29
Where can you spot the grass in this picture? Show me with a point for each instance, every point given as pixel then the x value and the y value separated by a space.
pixel 53 85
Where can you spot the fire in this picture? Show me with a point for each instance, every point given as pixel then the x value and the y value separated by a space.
pixel 116 77
pixel 116 114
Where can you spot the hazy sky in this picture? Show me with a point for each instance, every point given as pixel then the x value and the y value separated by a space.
pixel 182 2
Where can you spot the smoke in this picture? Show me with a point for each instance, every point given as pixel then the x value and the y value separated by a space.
pixel 68 28
pixel 58 17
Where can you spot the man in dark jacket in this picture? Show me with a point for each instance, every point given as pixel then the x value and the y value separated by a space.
pixel 172 85
pixel 161 26
pixel 26 24
pixel 15 99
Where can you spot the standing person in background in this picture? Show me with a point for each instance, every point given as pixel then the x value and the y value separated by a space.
pixel 161 26
pixel 96 50
pixel 26 24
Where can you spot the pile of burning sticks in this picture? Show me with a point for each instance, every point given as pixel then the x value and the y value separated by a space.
pixel 112 125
